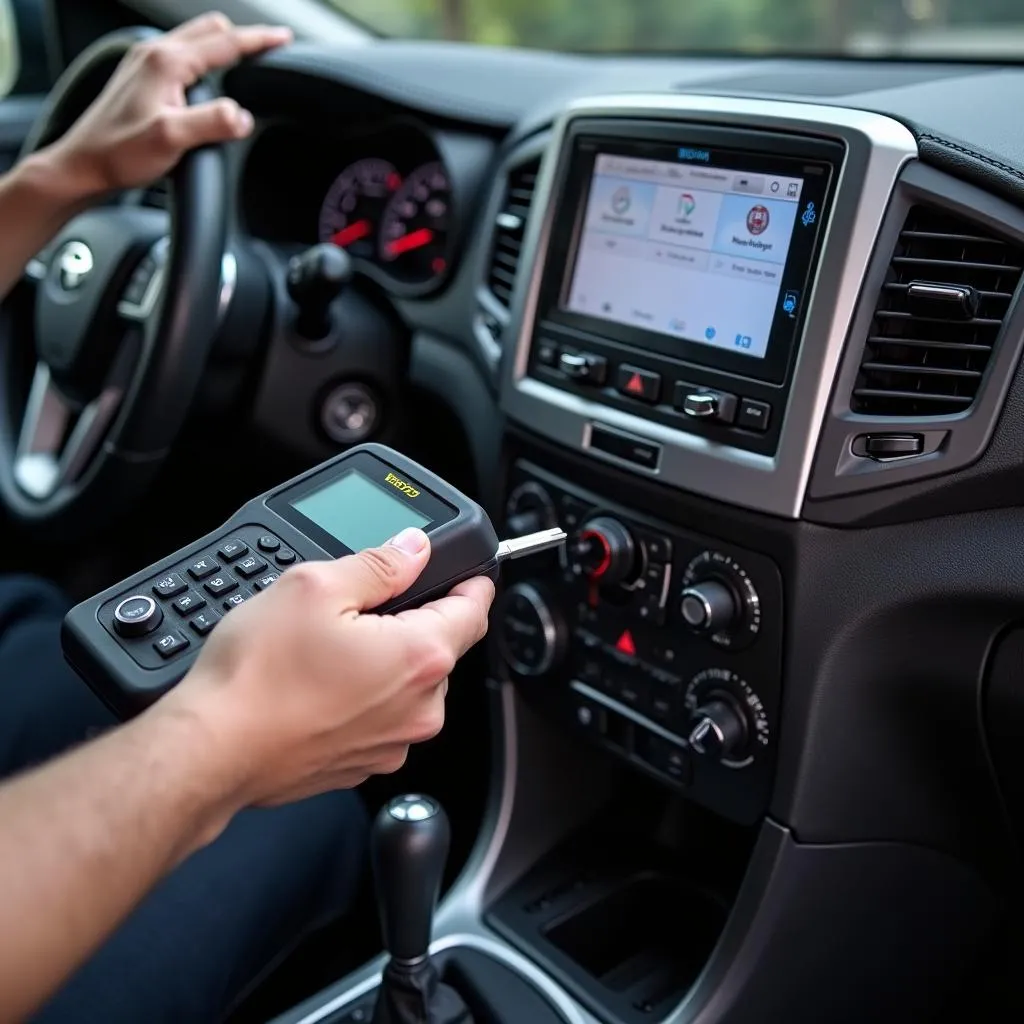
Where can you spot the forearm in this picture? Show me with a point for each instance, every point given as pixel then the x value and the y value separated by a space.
pixel 37 198
pixel 84 838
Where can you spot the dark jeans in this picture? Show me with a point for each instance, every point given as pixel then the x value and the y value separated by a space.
pixel 211 927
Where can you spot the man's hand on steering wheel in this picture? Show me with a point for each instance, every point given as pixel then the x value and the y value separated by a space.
pixel 141 124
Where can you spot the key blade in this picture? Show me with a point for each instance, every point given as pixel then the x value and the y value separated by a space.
pixel 531 544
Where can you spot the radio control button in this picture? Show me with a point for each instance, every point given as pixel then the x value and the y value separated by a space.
pixel 704 403
pixel 137 616
pixel 635 382
pixel 547 352
pixel 754 415
pixel 584 367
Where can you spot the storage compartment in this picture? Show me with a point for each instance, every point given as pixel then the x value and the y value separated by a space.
pixel 652 935
pixel 627 912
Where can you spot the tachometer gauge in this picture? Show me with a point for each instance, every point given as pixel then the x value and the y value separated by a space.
pixel 413 242
pixel 352 209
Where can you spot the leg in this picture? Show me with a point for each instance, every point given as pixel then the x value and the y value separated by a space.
pixel 225 914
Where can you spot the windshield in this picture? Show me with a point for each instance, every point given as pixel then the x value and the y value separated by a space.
pixel 924 28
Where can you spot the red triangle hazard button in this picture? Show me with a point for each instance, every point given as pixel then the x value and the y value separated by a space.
pixel 625 644
pixel 635 386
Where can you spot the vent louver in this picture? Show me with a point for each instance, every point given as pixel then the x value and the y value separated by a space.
pixel 510 226
pixel 948 289
pixel 156 196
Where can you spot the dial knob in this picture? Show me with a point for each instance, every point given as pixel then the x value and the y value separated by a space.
pixel 718 728
pixel 137 615
pixel 604 551
pixel 709 607
pixel 532 633
pixel 529 510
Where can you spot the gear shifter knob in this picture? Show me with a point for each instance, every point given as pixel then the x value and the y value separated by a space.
pixel 315 279
pixel 409 847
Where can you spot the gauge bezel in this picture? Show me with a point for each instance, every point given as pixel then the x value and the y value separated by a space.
pixel 385 201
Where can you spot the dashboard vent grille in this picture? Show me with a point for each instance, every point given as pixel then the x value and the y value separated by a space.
pixel 946 294
pixel 510 228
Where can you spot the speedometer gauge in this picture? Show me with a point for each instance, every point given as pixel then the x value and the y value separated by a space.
pixel 352 209
pixel 413 244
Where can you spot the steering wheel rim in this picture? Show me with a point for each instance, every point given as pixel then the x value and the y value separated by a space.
pixel 141 416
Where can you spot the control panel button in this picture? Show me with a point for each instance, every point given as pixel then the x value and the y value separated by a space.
pixel 251 565
pixel 663 756
pixel 170 585
pixel 622 446
pixel 171 644
pixel 603 551
pixel 584 367
pixel 718 730
pixel 705 403
pixel 222 584
pixel 754 415
pixel 709 607
pixel 268 580
pixel 589 715
pixel 636 382
pixel 189 603
pixel 268 542
pixel 137 616
pixel 204 622
pixel 883 447
pixel 547 352
pixel 236 599
pixel 232 549
pixel 285 557
pixel 532 635
pixel 202 568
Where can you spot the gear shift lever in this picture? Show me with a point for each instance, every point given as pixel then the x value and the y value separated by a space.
pixel 409 847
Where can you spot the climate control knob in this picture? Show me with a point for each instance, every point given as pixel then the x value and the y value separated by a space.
pixel 718 729
pixel 532 633
pixel 529 510
pixel 604 551
pixel 710 607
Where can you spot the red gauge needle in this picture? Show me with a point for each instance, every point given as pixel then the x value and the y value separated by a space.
pixel 413 240
pixel 355 231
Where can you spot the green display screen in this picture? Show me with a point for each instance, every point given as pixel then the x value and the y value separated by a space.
pixel 358 512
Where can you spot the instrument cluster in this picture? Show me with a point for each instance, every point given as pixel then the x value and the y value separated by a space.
pixel 383 195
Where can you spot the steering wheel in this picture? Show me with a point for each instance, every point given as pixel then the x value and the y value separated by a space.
pixel 126 309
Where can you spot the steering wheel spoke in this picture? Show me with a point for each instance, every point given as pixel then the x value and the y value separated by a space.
pixel 58 437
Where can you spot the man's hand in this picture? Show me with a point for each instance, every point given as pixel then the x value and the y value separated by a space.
pixel 303 690
pixel 141 125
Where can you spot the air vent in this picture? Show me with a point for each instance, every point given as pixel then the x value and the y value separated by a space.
pixel 947 292
pixel 510 228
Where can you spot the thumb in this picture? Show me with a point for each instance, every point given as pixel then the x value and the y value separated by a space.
pixel 365 581
pixel 207 123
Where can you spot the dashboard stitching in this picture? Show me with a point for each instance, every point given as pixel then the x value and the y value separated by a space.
pixel 972 153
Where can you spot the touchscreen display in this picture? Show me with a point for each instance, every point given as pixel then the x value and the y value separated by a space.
pixel 687 251
pixel 358 512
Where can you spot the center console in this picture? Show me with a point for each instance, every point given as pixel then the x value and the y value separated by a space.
pixel 688 275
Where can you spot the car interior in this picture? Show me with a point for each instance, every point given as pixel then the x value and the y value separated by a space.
pixel 748 329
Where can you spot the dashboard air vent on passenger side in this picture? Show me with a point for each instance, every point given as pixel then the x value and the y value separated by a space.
pixel 946 294
pixel 510 228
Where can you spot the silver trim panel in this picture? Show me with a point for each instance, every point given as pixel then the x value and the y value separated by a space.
pixel 774 484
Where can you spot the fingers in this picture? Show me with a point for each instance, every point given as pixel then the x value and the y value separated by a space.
pixel 457 621
pixel 365 581
pixel 207 123
pixel 220 49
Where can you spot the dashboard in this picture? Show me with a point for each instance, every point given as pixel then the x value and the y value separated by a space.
pixel 382 193
pixel 751 332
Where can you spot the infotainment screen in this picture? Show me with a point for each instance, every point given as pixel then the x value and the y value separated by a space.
pixel 695 243
pixel 692 251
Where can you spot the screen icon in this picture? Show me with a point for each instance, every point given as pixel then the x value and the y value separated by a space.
pixel 809 216
pixel 621 200
pixel 710 333
pixel 687 204
pixel 744 341
pixel 775 186
pixel 758 219
pixel 792 190
pixel 789 303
